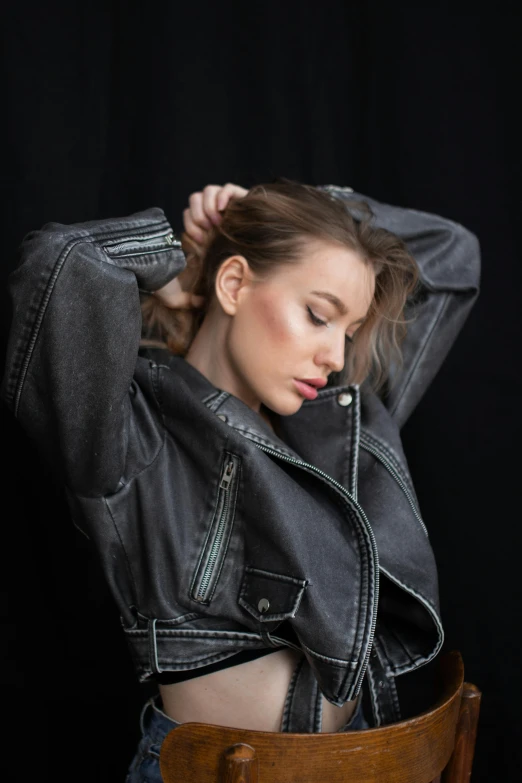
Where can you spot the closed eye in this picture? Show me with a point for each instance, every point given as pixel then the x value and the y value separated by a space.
pixel 314 319
pixel 319 322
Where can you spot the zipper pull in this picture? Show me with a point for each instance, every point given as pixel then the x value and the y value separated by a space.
pixel 227 476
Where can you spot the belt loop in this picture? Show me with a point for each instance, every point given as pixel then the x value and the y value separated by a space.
pixel 318 712
pixel 153 649
pixel 383 689
pixel 144 710
pixel 303 710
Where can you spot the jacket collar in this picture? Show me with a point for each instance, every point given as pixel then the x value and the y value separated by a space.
pixel 229 408
pixel 323 446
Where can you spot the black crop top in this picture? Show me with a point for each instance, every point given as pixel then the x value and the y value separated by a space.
pixel 168 678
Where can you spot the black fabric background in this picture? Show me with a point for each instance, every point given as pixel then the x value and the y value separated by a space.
pixel 113 108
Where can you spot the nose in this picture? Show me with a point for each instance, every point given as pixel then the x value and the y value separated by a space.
pixel 332 353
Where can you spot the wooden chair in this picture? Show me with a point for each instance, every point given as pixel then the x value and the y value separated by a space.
pixel 437 745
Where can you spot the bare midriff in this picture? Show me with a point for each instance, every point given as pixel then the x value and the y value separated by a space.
pixel 250 695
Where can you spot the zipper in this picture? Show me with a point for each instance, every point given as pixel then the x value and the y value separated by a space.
pixel 212 556
pixel 373 542
pixel 379 455
pixel 145 243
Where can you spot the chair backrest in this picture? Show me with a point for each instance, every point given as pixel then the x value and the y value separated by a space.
pixel 417 750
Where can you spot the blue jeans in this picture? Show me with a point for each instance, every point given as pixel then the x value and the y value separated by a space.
pixel 155 726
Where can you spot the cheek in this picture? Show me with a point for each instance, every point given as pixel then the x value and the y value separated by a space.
pixel 276 323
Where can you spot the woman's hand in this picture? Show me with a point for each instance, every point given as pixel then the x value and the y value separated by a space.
pixel 204 211
pixel 200 216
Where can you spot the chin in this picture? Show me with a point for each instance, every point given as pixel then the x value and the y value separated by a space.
pixel 285 407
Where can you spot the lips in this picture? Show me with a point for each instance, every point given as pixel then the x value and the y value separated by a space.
pixel 317 382
pixel 308 387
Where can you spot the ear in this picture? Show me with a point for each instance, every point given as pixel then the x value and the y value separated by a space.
pixel 232 280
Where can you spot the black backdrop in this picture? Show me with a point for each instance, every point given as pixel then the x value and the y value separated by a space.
pixel 112 108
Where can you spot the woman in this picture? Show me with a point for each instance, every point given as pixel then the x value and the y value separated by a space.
pixel 246 490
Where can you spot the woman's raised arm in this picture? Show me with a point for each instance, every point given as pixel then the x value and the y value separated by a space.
pixel 74 339
pixel 448 258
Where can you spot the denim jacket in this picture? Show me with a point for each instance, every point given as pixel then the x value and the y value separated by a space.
pixel 213 532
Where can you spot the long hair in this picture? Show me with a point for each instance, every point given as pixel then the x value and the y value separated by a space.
pixel 271 226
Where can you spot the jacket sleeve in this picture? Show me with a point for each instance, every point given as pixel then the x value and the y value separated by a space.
pixel 448 258
pixel 74 339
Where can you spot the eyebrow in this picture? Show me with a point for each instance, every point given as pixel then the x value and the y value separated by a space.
pixel 336 302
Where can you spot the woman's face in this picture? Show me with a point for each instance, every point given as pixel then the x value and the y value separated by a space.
pixel 289 330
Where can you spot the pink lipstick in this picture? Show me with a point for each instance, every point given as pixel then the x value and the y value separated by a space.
pixel 307 387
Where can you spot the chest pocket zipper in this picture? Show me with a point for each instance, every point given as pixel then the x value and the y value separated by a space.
pixel 142 244
pixel 216 543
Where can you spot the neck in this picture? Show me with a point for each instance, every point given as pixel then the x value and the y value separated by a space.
pixel 208 353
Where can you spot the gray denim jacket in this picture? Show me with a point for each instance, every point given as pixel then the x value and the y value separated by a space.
pixel 212 532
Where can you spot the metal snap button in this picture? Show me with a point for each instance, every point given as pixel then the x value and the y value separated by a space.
pixel 222 416
pixel 344 399
pixel 263 605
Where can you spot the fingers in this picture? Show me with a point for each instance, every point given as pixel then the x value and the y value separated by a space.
pixel 205 207
pixel 202 206
pixel 228 192
pixel 211 203
pixel 201 213
pixel 193 229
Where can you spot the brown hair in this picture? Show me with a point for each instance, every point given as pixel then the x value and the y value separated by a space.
pixel 271 226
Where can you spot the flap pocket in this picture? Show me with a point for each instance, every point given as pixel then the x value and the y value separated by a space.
pixel 270 597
